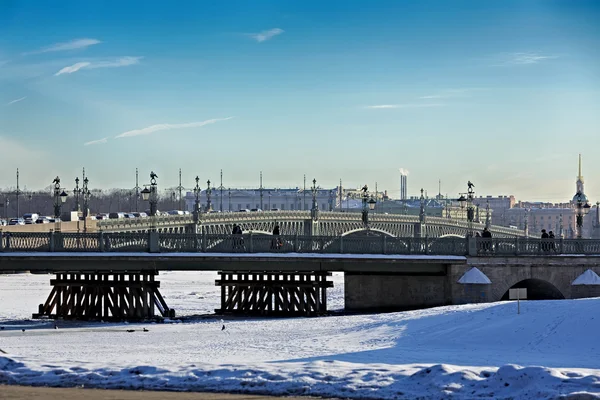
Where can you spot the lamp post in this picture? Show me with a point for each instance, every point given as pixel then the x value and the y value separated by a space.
pixel 314 212
pixel 59 199
pixel 76 193
pixel 582 207
pixel 368 204
pixel 197 191
pixel 208 193
pixel 150 194
pixel 467 202
pixel 86 199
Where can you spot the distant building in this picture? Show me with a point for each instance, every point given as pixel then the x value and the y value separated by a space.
pixel 272 198
pixel 500 205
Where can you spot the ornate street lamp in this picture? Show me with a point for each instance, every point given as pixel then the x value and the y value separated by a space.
pixel 59 199
pixel 314 212
pixel 86 199
pixel 208 193
pixel 468 203
pixel 582 207
pixel 197 191
pixel 229 199
pixel 365 207
pixel 150 194
pixel 77 193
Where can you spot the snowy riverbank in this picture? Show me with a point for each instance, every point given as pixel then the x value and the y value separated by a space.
pixel 472 351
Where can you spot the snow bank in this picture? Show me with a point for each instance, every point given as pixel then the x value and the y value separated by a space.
pixel 589 277
pixel 474 276
pixel 319 378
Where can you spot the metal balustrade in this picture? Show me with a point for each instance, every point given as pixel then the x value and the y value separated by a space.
pixel 259 243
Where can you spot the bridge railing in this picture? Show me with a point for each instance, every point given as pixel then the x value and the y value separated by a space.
pixel 531 246
pixel 246 243
pixel 259 243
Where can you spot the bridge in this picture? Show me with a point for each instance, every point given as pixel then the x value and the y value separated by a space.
pixel 307 223
pixel 112 276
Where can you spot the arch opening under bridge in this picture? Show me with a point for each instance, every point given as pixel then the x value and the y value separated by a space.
pixel 537 289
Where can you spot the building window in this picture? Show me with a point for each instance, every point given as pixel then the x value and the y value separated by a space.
pixel 248 205
pixel 291 207
pixel 283 206
pixel 239 206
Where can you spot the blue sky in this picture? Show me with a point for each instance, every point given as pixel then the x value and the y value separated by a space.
pixel 504 94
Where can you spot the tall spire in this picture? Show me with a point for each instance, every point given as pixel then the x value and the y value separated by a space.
pixel 579 183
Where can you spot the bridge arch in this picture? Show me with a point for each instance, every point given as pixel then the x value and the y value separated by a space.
pixel 358 231
pixel 256 232
pixel 537 289
pixel 452 235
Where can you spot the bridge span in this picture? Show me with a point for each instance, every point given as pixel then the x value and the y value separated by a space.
pixel 287 275
pixel 320 223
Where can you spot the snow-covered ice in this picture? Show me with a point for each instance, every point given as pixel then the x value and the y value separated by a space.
pixel 589 277
pixel 549 350
pixel 474 275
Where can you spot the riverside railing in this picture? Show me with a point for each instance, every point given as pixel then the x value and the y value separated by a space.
pixel 155 242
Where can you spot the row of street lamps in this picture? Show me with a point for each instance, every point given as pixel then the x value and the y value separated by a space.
pixel 150 193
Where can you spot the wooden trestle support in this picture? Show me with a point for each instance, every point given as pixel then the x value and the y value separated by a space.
pixel 104 296
pixel 274 293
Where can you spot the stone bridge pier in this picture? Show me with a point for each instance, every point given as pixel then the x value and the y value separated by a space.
pixel 436 282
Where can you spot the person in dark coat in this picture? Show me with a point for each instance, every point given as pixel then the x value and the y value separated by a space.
pixel 545 238
pixel 487 239
pixel 236 231
pixel 276 242
pixel 551 238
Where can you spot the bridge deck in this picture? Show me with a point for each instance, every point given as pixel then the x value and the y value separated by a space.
pixel 125 262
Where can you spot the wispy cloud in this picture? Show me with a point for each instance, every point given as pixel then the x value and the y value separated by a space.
pixel 65 46
pixel 167 127
pixel 412 105
pixel 73 68
pixel 266 35
pixel 121 62
pixel 16 101
pixel 99 141
pixel 523 58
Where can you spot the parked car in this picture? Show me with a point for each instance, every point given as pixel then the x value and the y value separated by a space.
pixel 275 209
pixel 42 220
pixel 244 210
pixel 255 210
pixel 2 222
pixel 129 215
pixel 116 215
pixel 175 212
pixel 30 218
pixel 16 221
